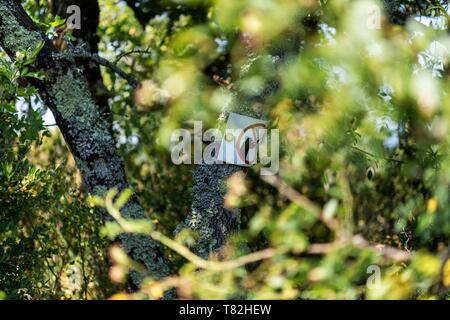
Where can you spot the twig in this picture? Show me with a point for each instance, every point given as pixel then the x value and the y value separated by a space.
pixel 360 242
pixel 215 265
pixel 184 251
pixel 374 156
pixel 290 193
pixel 357 240
pixel 127 53
pixel 82 54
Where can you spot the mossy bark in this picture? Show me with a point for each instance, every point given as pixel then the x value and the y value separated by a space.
pixel 208 216
pixel 87 36
pixel 87 133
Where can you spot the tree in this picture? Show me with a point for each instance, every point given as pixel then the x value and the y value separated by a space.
pixel 357 89
pixel 86 132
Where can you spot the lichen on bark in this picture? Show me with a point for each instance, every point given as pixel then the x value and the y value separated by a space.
pixel 15 37
pixel 87 133
pixel 208 217
pixel 100 164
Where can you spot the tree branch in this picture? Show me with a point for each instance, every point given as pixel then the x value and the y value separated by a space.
pixel 87 36
pixel 80 53
pixel 356 240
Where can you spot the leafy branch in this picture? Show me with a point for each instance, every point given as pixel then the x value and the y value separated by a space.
pixel 146 227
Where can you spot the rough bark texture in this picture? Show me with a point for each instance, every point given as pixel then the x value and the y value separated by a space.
pixel 88 135
pixel 87 36
pixel 208 216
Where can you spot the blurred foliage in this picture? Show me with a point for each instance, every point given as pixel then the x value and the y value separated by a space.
pixel 50 246
pixel 361 106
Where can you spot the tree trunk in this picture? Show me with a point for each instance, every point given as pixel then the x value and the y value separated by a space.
pixel 88 135
pixel 208 217
pixel 87 36
pixel 213 222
